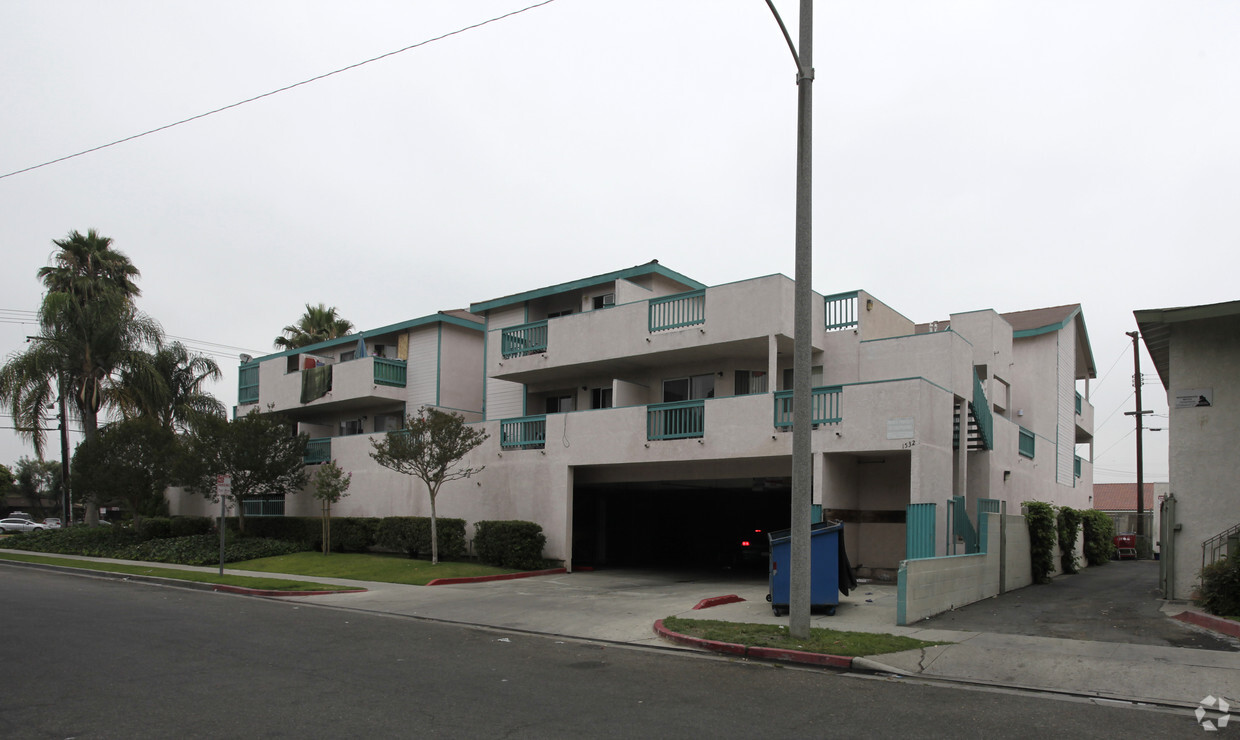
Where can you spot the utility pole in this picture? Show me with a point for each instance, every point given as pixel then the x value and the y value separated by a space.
pixel 1137 414
pixel 66 497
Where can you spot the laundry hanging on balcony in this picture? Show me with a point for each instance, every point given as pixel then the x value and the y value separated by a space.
pixel 315 382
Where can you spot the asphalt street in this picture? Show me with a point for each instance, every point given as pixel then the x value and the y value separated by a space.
pixel 93 658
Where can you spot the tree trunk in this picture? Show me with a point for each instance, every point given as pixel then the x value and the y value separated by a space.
pixel 434 535
pixel 327 527
pixel 90 429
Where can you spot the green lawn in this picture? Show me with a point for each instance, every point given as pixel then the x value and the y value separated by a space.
pixel 264 584
pixel 367 567
pixel 830 642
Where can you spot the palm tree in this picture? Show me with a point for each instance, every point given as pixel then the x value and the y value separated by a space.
pixel 167 388
pixel 90 329
pixel 318 324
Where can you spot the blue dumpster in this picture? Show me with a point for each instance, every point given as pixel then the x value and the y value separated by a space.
pixel 829 570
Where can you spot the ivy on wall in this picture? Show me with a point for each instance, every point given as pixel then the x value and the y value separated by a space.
pixel 1069 521
pixel 1043 534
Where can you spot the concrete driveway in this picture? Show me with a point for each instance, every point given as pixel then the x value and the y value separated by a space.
pixel 1117 602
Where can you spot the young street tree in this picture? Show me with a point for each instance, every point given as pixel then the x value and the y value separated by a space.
pixel 258 451
pixel 430 447
pixel 331 484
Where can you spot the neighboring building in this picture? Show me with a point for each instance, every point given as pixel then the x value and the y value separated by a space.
pixel 642 417
pixel 1119 500
pixel 1196 350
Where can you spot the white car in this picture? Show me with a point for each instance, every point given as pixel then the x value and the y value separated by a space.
pixel 19 525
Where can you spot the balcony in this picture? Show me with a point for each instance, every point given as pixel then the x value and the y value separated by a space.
pixel 526 339
pixel 318 451
pixel 824 406
pixel 677 311
pixel 523 433
pixel 368 382
pixel 676 420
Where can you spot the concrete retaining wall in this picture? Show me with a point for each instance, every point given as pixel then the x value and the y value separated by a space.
pixel 929 586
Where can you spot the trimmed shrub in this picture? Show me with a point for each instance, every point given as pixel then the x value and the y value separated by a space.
pixel 512 544
pixel 412 536
pixel 303 530
pixel 204 549
pixel 186 526
pixel 155 528
pixel 1220 587
pixel 351 534
pixel 1043 533
pixel 1099 537
pixel 99 542
pixel 1069 525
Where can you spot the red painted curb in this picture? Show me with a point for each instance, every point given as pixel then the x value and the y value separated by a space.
pixel 265 592
pixel 501 577
pixel 1218 624
pixel 730 648
pixel 718 601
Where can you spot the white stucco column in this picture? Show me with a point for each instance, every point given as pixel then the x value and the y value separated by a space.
pixel 772 363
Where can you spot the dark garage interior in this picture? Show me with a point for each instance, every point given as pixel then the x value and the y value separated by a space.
pixel 679 524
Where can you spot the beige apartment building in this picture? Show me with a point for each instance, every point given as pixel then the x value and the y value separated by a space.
pixel 644 418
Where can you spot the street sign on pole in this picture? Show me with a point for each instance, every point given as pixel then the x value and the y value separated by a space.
pixel 223 489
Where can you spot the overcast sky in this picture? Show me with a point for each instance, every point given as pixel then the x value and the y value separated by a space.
pixel 968 155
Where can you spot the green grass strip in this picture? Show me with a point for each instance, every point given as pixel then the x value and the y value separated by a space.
pixel 368 567
pixel 263 584
pixel 827 641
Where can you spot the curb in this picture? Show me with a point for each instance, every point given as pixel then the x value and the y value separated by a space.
pixel 173 582
pixel 718 601
pixel 501 577
pixel 1217 624
pixel 741 651
pixel 242 590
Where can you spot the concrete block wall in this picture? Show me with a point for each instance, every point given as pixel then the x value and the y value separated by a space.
pixel 929 586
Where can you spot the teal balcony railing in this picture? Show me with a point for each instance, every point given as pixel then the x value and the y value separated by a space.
pixel 824 406
pixel 270 506
pixel 678 311
pixel 677 420
pixel 840 310
pixel 1026 444
pixel 526 339
pixel 390 372
pixel 982 414
pixel 318 450
pixel 523 433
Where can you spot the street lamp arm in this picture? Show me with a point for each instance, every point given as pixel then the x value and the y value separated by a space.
pixel 791 46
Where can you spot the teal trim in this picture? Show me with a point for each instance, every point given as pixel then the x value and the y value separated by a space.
pixel 1079 400
pixel 962 526
pixel 678 311
pixel 524 433
pixel 438 361
pixel 651 268
pixel 1048 328
pixel 486 373
pixel 1076 465
pixel 676 420
pixel 824 406
pixel 372 333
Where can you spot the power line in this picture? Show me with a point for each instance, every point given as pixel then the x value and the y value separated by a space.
pixel 279 90
pixel 1098 385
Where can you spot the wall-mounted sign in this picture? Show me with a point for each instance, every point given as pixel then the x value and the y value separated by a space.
pixel 901 428
pixel 1192 398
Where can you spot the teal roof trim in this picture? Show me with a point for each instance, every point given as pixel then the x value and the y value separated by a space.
pixel 1049 327
pixel 650 268
pixel 431 320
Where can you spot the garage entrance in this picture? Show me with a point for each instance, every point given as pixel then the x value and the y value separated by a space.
pixel 712 524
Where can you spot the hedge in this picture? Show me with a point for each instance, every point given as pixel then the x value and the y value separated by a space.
pixel 412 536
pixel 1043 533
pixel 1220 587
pixel 1099 537
pixel 510 544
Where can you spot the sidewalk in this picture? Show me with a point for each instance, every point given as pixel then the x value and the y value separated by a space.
pixel 622 606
